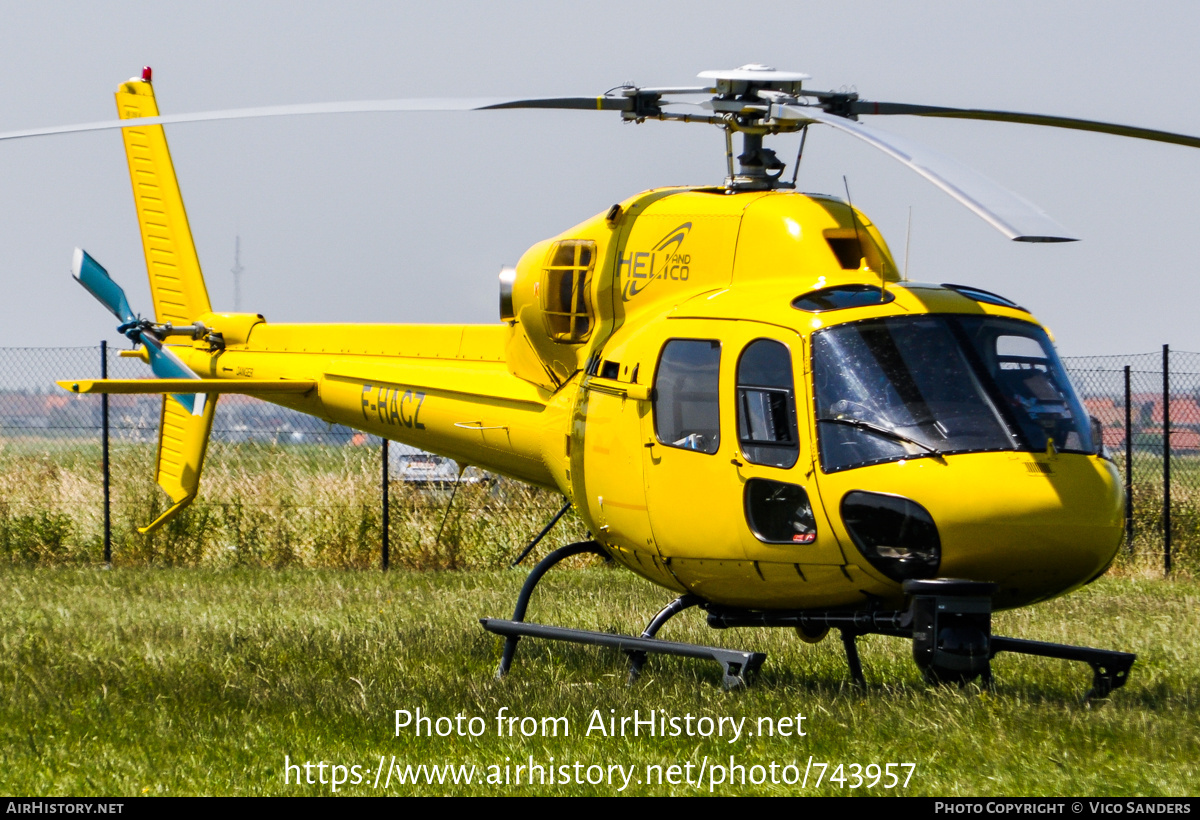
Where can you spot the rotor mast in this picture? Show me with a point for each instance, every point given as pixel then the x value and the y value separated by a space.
pixel 744 97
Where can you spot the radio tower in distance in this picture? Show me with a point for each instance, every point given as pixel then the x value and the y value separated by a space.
pixel 236 270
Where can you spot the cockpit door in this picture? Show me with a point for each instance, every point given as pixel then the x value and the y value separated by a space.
pixel 728 462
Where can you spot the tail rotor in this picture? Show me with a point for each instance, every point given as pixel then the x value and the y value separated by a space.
pixel 165 364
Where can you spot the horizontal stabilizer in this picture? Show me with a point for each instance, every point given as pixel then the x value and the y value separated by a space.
pixel 250 386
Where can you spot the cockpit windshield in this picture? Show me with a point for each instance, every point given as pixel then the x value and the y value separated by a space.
pixel 909 386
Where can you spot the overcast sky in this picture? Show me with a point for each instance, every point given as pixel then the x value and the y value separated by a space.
pixel 408 217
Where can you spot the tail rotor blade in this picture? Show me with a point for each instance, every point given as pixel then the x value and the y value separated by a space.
pixel 166 365
pixel 92 275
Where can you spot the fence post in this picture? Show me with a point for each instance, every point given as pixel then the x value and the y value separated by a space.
pixel 1166 368
pixel 1128 462
pixel 104 454
pixel 384 483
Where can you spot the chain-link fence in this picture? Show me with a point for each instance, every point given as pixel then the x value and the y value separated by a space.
pixel 1148 406
pixel 281 487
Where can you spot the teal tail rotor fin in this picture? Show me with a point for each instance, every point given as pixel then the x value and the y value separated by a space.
pixel 92 275
pixel 165 364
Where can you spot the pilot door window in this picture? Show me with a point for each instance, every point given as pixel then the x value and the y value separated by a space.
pixel 686 405
pixel 566 297
pixel 766 405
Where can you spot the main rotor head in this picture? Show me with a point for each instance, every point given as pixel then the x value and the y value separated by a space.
pixel 740 95
pixel 751 100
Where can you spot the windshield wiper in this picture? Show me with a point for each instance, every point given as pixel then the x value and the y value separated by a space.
pixel 886 433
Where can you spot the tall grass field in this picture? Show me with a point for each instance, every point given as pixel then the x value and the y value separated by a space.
pixel 262 505
pixel 319 505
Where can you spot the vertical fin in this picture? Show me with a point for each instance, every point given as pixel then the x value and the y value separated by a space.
pixel 176 282
pixel 182 442
pixel 176 286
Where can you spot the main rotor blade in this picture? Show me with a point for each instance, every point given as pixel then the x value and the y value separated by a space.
pixel 884 108
pixel 1015 217
pixel 601 103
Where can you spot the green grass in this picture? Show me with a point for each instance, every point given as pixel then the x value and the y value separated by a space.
pixel 200 681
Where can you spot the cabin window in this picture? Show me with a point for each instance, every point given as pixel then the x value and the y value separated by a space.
pixel 766 405
pixel 986 296
pixel 686 402
pixel 779 513
pixel 842 297
pixel 566 297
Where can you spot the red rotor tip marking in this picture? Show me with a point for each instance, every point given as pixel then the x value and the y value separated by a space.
pixel 146 72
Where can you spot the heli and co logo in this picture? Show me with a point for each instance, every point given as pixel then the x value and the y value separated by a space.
pixel 666 261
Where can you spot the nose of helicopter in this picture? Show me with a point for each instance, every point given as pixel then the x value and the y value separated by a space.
pixel 1035 526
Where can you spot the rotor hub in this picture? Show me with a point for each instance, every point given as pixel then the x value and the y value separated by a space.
pixel 744 81
pixel 744 96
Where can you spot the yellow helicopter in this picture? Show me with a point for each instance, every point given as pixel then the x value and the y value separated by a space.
pixel 732 384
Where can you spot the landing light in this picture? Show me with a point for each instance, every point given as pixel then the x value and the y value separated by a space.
pixel 896 535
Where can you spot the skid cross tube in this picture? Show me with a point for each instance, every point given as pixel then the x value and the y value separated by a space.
pixel 850 624
pixel 849 638
pixel 637 658
pixel 543 566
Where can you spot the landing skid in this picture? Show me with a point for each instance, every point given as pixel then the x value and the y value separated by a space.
pixel 736 665
pixel 948 622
